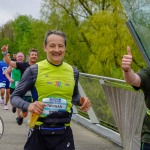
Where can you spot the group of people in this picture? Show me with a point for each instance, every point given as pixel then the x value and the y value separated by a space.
pixel 11 72
pixel 52 85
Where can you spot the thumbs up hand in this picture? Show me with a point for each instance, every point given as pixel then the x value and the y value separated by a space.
pixel 127 60
pixel 4 48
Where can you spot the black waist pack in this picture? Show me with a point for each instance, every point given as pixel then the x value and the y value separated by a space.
pixel 56 118
pixel 51 130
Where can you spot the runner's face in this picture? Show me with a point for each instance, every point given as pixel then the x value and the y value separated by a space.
pixel 55 49
pixel 33 57
pixel 20 57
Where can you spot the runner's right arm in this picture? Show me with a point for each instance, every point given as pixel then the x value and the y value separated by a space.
pixel 26 83
pixel 7 59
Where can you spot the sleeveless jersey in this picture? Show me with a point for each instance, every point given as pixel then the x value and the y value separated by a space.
pixel 16 76
pixel 3 68
pixel 55 86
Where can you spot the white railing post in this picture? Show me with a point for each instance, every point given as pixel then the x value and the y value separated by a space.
pixel 90 112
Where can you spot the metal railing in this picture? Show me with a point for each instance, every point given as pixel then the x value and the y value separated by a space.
pixel 103 117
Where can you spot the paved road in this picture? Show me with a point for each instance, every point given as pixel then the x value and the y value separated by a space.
pixel 15 136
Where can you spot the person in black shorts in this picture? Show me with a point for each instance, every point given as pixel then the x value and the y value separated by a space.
pixel 4 83
pixel 14 76
pixel 22 66
pixel 54 84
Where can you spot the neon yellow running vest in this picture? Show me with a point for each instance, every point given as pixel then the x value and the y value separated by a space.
pixel 55 82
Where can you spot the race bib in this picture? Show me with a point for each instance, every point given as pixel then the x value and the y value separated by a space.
pixel 54 105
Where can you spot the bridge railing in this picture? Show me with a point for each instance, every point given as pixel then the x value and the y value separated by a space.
pixel 117 110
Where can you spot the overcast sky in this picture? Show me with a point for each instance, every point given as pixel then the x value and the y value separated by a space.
pixel 9 9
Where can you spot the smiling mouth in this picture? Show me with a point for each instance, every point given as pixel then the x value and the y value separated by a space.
pixel 56 54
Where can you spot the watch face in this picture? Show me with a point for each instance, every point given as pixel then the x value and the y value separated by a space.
pixel 1 127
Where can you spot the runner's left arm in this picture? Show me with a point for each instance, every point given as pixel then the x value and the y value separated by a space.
pixel 84 102
pixel 76 95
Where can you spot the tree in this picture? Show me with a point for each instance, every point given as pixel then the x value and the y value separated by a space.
pixel 7 35
pixel 22 29
pixel 101 35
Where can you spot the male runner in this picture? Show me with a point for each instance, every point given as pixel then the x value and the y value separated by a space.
pixel 54 85
pixel 4 83
pixel 14 76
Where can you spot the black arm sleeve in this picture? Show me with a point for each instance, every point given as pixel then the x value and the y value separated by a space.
pixel 76 95
pixel 27 83
pixel 144 74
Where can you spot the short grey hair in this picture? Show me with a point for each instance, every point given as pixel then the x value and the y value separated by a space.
pixel 57 32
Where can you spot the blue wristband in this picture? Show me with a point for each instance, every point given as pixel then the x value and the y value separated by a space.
pixel 5 53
